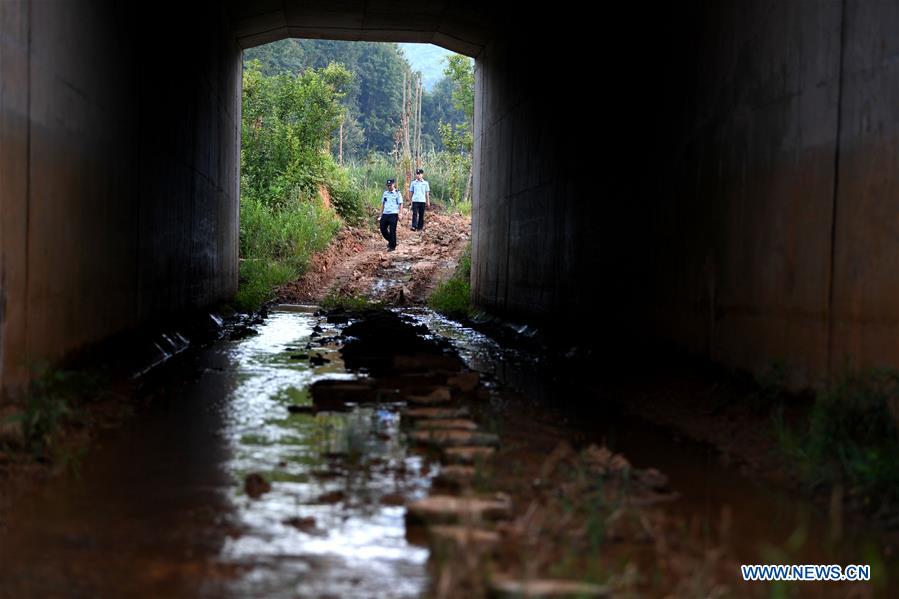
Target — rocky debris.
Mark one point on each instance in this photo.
(515, 587)
(331, 497)
(628, 525)
(466, 537)
(307, 525)
(454, 438)
(255, 485)
(455, 476)
(467, 455)
(435, 413)
(318, 359)
(447, 423)
(439, 395)
(393, 499)
(603, 462)
(464, 381)
(12, 433)
(447, 508)
(426, 362)
(333, 395)
(653, 479)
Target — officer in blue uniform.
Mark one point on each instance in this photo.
(420, 191)
(391, 213)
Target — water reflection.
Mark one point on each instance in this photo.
(328, 471)
(159, 508)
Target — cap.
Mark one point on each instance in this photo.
(389, 181)
(419, 171)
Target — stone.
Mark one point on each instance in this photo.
(438, 396)
(447, 423)
(335, 394)
(393, 499)
(306, 525)
(467, 455)
(425, 362)
(255, 485)
(455, 476)
(453, 438)
(466, 537)
(464, 381)
(515, 587)
(436, 413)
(447, 508)
(331, 497)
(653, 479)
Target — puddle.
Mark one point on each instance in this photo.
(766, 524)
(160, 509)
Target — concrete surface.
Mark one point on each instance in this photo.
(717, 176)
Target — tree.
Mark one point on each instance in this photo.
(457, 139)
(286, 127)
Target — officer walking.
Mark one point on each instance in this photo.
(391, 212)
(420, 191)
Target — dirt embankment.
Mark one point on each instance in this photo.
(357, 263)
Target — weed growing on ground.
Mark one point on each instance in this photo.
(452, 298)
(276, 243)
(350, 303)
(852, 439)
(770, 387)
(48, 403)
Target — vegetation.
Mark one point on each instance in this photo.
(50, 401)
(373, 100)
(851, 440)
(452, 298)
(350, 303)
(301, 95)
(287, 174)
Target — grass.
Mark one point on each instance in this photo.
(452, 298)
(276, 244)
(371, 174)
(49, 403)
(851, 439)
(350, 303)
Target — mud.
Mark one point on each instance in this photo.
(358, 264)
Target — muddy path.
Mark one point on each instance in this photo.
(358, 264)
(398, 454)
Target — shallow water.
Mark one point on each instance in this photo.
(160, 509)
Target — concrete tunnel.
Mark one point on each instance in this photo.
(721, 178)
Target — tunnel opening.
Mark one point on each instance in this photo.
(731, 134)
(325, 125)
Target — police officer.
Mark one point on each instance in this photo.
(420, 191)
(391, 212)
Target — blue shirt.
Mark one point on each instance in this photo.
(419, 190)
(392, 200)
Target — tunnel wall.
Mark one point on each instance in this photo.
(563, 130)
(776, 224)
(118, 172)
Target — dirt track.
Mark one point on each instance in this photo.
(357, 263)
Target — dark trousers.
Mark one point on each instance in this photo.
(418, 215)
(388, 228)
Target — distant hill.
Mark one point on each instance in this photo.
(427, 58)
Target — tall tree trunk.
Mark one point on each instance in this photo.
(340, 145)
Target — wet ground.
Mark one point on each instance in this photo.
(240, 476)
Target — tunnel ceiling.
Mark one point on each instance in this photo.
(458, 26)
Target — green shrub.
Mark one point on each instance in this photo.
(277, 243)
(852, 438)
(452, 298)
(352, 303)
